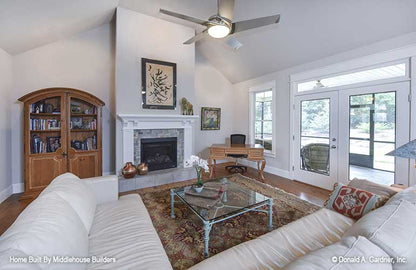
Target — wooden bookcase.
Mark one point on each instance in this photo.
(62, 133)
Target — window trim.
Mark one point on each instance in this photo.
(269, 86)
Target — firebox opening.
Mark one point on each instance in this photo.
(159, 153)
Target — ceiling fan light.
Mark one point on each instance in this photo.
(219, 31)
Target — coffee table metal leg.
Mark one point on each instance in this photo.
(172, 203)
(207, 230)
(270, 214)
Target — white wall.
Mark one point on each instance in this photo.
(212, 89)
(6, 83)
(137, 36)
(281, 163)
(84, 61)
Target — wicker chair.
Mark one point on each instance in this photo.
(315, 157)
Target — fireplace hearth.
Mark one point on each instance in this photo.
(159, 153)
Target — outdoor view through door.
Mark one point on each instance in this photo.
(372, 135)
(315, 135)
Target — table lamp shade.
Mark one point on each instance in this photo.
(407, 150)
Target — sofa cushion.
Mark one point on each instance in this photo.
(409, 194)
(77, 194)
(353, 202)
(48, 226)
(359, 250)
(391, 227)
(381, 190)
(123, 230)
(277, 248)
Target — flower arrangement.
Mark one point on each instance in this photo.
(199, 164)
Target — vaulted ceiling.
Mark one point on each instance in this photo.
(308, 30)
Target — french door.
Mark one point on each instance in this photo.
(316, 133)
(346, 134)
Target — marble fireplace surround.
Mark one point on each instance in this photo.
(134, 122)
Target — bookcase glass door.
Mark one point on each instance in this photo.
(45, 126)
(82, 125)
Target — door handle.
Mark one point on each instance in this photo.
(333, 146)
(64, 154)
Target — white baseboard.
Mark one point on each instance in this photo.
(108, 173)
(5, 193)
(268, 169)
(18, 188)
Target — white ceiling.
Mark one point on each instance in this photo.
(308, 29)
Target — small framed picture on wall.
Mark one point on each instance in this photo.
(210, 118)
(158, 84)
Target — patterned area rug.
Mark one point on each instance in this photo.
(183, 236)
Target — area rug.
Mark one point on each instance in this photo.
(182, 237)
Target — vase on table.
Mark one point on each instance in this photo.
(199, 164)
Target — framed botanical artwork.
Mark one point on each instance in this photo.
(210, 118)
(158, 84)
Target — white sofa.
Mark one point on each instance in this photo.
(74, 219)
(311, 242)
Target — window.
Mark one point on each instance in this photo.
(262, 116)
(396, 70)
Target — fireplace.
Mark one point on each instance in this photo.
(159, 153)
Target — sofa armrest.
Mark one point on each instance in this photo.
(104, 187)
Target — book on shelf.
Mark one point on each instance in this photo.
(37, 145)
(45, 124)
(89, 143)
(79, 123)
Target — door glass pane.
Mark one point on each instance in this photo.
(384, 117)
(314, 153)
(315, 118)
(372, 135)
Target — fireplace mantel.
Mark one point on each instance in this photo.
(131, 122)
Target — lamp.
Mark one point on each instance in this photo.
(407, 150)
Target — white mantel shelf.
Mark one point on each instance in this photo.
(131, 122)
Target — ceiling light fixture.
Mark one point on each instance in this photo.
(219, 28)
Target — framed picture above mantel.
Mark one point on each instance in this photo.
(158, 84)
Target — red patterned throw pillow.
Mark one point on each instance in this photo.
(352, 202)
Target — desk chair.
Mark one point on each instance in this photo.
(237, 139)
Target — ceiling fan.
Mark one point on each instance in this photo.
(221, 25)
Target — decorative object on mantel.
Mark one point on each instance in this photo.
(187, 107)
(129, 171)
(199, 164)
(210, 118)
(142, 169)
(158, 84)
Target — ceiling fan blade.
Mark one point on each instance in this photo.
(255, 23)
(196, 37)
(226, 9)
(183, 17)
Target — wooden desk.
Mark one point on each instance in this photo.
(254, 152)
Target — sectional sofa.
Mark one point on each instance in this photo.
(75, 219)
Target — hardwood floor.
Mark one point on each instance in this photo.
(12, 207)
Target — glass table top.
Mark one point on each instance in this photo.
(219, 198)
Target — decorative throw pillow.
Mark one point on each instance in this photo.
(352, 202)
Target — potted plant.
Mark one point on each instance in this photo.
(199, 164)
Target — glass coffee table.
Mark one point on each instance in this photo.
(220, 199)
